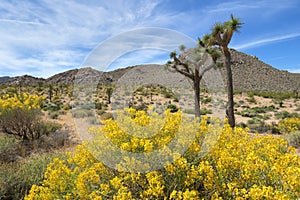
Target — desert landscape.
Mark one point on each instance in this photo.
(261, 111)
(125, 100)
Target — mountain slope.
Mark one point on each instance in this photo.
(4, 79)
(249, 73)
(24, 80)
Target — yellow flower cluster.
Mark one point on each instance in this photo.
(228, 165)
(288, 125)
(135, 131)
(20, 101)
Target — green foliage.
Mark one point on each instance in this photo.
(88, 106)
(50, 106)
(82, 113)
(98, 105)
(261, 127)
(189, 111)
(48, 127)
(273, 95)
(205, 111)
(92, 120)
(106, 116)
(255, 111)
(252, 100)
(294, 139)
(173, 108)
(251, 121)
(17, 178)
(285, 114)
(6, 141)
(67, 107)
(206, 100)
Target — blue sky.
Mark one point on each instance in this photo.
(45, 37)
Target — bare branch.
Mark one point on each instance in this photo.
(191, 76)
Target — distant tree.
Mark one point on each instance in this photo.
(50, 92)
(220, 37)
(56, 91)
(193, 63)
(109, 91)
(40, 85)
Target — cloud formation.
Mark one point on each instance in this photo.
(45, 37)
(265, 41)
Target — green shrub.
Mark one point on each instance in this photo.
(92, 120)
(206, 100)
(98, 105)
(261, 127)
(205, 112)
(293, 139)
(82, 113)
(22, 123)
(51, 107)
(106, 116)
(89, 106)
(67, 107)
(273, 95)
(282, 115)
(173, 108)
(6, 141)
(100, 112)
(16, 179)
(189, 111)
(242, 125)
(252, 100)
(251, 121)
(48, 127)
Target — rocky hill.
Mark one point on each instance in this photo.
(24, 80)
(249, 73)
(86, 75)
(4, 79)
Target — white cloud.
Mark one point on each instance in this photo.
(136, 40)
(144, 56)
(294, 71)
(265, 41)
(50, 35)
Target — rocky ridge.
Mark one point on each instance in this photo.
(4, 79)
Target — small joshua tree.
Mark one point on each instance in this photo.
(109, 91)
(193, 63)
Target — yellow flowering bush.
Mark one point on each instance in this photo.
(220, 163)
(19, 115)
(288, 125)
(20, 101)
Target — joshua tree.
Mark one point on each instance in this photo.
(193, 63)
(109, 91)
(50, 92)
(220, 37)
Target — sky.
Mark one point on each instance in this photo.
(45, 37)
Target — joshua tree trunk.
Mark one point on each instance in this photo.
(230, 104)
(197, 94)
